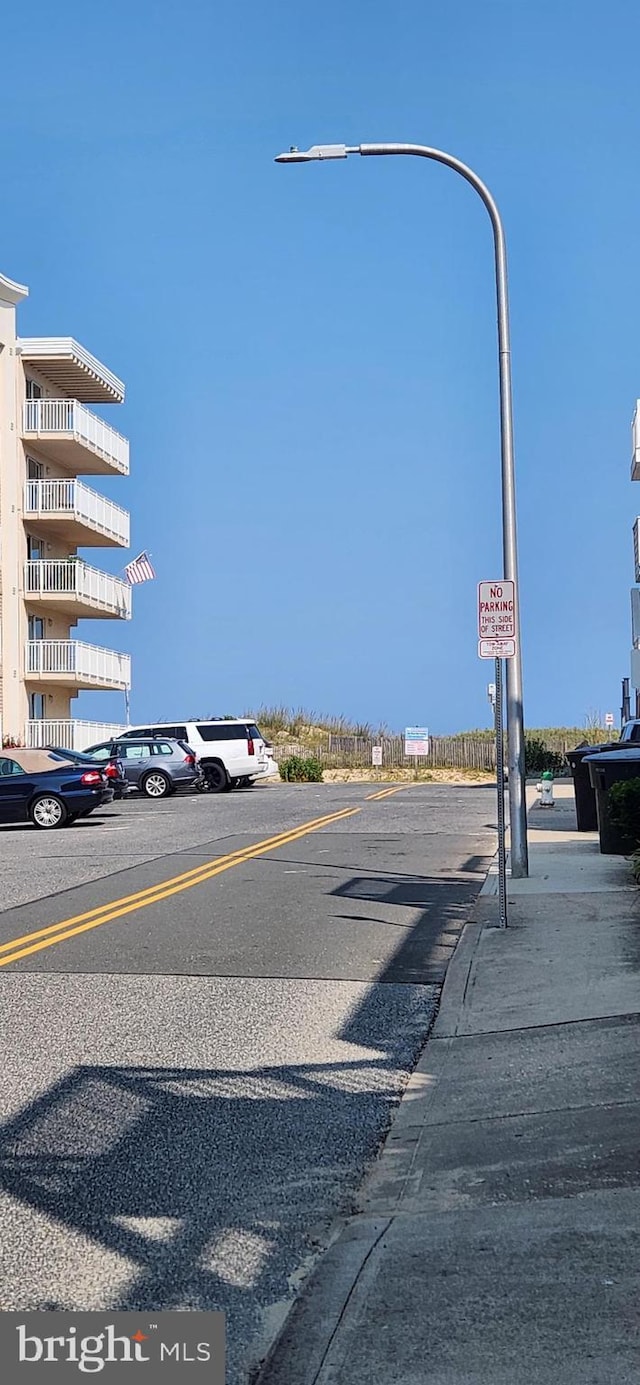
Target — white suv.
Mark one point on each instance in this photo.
(231, 754)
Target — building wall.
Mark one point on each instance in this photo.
(13, 701)
(15, 528)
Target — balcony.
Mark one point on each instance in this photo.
(70, 735)
(77, 514)
(70, 663)
(69, 585)
(76, 439)
(635, 444)
(70, 367)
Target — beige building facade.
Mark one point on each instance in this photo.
(52, 445)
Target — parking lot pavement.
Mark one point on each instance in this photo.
(193, 1090)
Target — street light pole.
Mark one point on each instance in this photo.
(515, 711)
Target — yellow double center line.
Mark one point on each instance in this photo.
(118, 908)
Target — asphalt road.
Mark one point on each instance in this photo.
(204, 1039)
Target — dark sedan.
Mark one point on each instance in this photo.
(35, 787)
(113, 769)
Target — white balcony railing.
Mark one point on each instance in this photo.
(67, 418)
(68, 577)
(86, 663)
(74, 500)
(70, 735)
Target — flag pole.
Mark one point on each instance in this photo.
(140, 569)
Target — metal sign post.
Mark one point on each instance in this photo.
(502, 853)
(416, 743)
(497, 639)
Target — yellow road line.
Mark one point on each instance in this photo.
(153, 894)
(385, 793)
(232, 857)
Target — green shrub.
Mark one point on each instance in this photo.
(624, 810)
(539, 758)
(301, 771)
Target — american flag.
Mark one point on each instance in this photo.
(140, 570)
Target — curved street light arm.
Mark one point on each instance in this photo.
(515, 710)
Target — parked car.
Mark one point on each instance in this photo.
(157, 766)
(113, 769)
(36, 787)
(231, 753)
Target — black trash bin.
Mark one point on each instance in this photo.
(605, 770)
(586, 812)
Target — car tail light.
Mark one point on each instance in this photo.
(189, 759)
(92, 776)
(111, 771)
(252, 749)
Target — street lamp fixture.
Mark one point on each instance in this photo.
(515, 713)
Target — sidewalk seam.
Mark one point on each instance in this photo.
(527, 1028)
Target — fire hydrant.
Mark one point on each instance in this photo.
(545, 789)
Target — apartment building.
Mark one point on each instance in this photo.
(49, 439)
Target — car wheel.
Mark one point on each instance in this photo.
(217, 779)
(46, 812)
(156, 785)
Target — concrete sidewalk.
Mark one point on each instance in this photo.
(496, 1241)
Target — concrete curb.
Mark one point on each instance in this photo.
(390, 1178)
(301, 1348)
(459, 976)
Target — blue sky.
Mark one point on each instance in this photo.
(310, 352)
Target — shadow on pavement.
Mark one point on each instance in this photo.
(213, 1185)
(421, 958)
(208, 1182)
(560, 818)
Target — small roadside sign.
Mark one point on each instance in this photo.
(376, 755)
(609, 719)
(496, 649)
(416, 740)
(496, 611)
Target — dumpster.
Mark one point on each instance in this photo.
(586, 813)
(605, 770)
